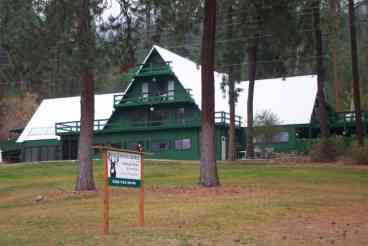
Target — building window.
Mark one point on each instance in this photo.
(158, 117)
(145, 91)
(171, 90)
(180, 115)
(162, 89)
(281, 137)
(159, 146)
(138, 119)
(183, 144)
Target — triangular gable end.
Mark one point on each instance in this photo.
(163, 65)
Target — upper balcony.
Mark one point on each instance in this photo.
(154, 70)
(172, 96)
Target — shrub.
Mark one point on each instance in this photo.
(359, 154)
(324, 151)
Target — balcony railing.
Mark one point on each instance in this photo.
(171, 96)
(221, 118)
(153, 71)
(224, 118)
(74, 126)
(99, 125)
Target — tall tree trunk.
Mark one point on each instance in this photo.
(126, 6)
(335, 12)
(231, 84)
(131, 51)
(86, 36)
(147, 41)
(323, 118)
(356, 87)
(232, 98)
(208, 166)
(252, 71)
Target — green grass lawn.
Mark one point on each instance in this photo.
(251, 200)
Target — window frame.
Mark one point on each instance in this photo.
(182, 144)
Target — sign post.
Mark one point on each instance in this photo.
(106, 197)
(121, 168)
(141, 194)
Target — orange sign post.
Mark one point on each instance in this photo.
(122, 168)
(106, 195)
(141, 193)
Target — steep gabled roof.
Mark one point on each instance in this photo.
(189, 75)
(291, 99)
(51, 111)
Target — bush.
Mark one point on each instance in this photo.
(324, 151)
(359, 154)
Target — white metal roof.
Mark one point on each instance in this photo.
(42, 124)
(291, 99)
(189, 74)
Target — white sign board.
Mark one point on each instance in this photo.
(124, 169)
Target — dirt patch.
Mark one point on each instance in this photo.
(199, 191)
(290, 158)
(61, 194)
(221, 192)
(343, 226)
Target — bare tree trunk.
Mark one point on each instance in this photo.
(323, 118)
(125, 6)
(252, 71)
(232, 140)
(356, 87)
(231, 83)
(335, 12)
(85, 180)
(208, 166)
(147, 42)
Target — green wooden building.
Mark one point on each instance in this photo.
(161, 111)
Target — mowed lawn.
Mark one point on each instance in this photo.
(255, 205)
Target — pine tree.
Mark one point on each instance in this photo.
(356, 88)
(86, 42)
(322, 110)
(208, 166)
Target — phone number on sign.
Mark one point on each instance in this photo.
(123, 182)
